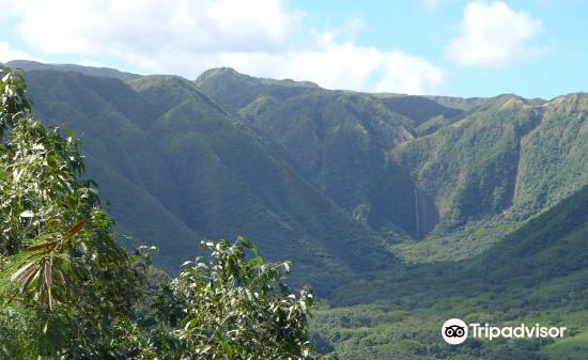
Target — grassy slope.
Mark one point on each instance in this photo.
(341, 141)
(29, 65)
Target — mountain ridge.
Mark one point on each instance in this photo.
(500, 123)
(394, 166)
(30, 65)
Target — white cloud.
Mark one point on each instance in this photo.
(7, 53)
(92, 63)
(495, 36)
(345, 66)
(141, 27)
(186, 37)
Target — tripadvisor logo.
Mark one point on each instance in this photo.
(455, 331)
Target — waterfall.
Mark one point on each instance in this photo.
(416, 213)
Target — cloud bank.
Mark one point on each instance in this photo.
(258, 37)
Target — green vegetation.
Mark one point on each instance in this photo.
(338, 140)
(458, 173)
(537, 274)
(69, 292)
(483, 199)
(66, 285)
(324, 175)
(176, 167)
(473, 161)
(30, 65)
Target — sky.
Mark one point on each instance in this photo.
(436, 47)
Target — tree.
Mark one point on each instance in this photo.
(65, 282)
(233, 308)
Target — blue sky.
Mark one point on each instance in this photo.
(446, 47)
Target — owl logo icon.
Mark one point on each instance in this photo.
(454, 331)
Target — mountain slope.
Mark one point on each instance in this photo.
(542, 253)
(238, 90)
(554, 156)
(341, 141)
(442, 178)
(537, 274)
(503, 162)
(459, 173)
(158, 143)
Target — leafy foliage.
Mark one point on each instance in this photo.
(60, 262)
(236, 308)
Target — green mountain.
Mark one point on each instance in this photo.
(484, 200)
(474, 181)
(238, 90)
(547, 249)
(500, 164)
(426, 178)
(341, 141)
(459, 173)
(178, 168)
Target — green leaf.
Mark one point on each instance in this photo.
(227, 348)
(248, 244)
(21, 270)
